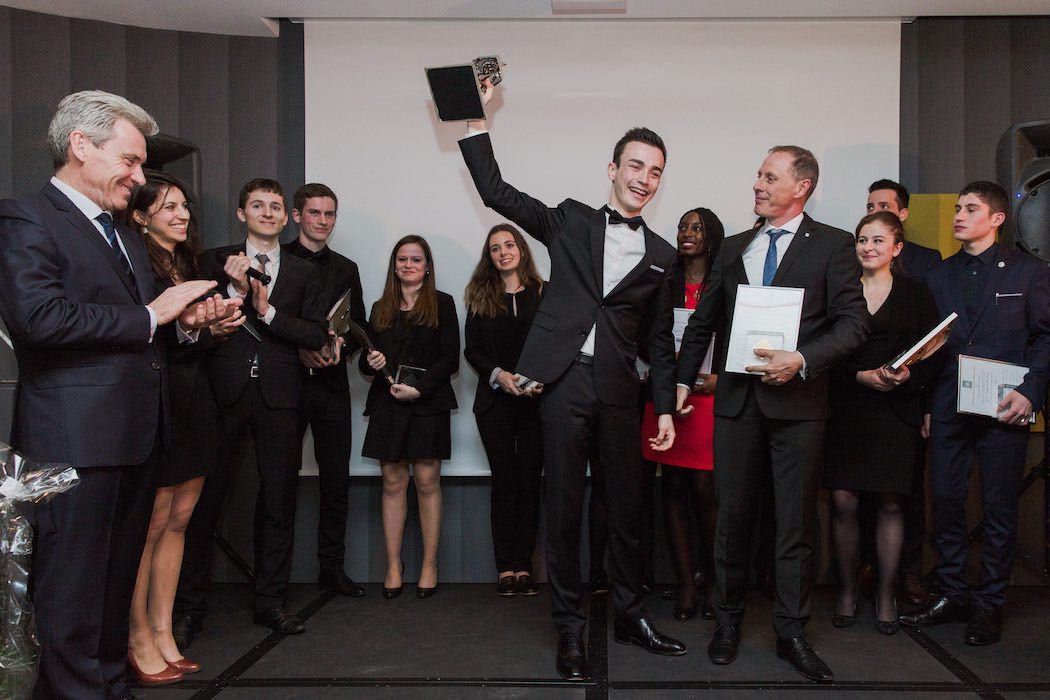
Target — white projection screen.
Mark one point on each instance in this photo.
(719, 93)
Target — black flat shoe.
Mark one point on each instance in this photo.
(937, 612)
(641, 633)
(723, 646)
(507, 586)
(526, 586)
(280, 620)
(572, 660)
(338, 582)
(422, 593)
(986, 627)
(800, 654)
(891, 627)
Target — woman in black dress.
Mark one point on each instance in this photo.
(409, 407)
(160, 210)
(501, 298)
(876, 417)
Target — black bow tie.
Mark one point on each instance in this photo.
(615, 218)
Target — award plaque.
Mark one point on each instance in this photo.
(457, 90)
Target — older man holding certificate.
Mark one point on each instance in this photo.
(772, 417)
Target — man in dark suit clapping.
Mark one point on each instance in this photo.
(775, 420)
(78, 297)
(608, 272)
(256, 377)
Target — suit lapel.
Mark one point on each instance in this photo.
(738, 266)
(140, 262)
(798, 245)
(955, 290)
(77, 220)
(598, 249)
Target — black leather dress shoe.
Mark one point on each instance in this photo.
(280, 620)
(937, 612)
(339, 582)
(985, 627)
(507, 586)
(801, 655)
(184, 628)
(572, 660)
(641, 633)
(526, 586)
(723, 646)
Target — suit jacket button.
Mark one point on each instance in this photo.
(970, 343)
(154, 364)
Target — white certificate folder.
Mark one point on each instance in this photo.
(984, 383)
(764, 317)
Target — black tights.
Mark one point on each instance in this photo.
(678, 486)
(889, 534)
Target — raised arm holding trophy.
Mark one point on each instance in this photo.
(609, 272)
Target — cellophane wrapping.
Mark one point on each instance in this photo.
(22, 482)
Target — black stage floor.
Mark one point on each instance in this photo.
(465, 642)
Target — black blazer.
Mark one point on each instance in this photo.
(574, 234)
(918, 260)
(1012, 323)
(299, 322)
(91, 384)
(821, 260)
(434, 349)
(338, 273)
(485, 351)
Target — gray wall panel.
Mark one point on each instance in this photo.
(941, 149)
(6, 62)
(1030, 78)
(96, 56)
(986, 96)
(152, 70)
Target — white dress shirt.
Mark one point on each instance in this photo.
(755, 253)
(92, 210)
(272, 268)
(624, 249)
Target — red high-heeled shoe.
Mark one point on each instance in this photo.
(185, 666)
(166, 677)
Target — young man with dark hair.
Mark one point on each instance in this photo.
(256, 377)
(1002, 297)
(773, 422)
(887, 195)
(324, 405)
(609, 274)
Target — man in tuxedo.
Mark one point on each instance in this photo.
(256, 377)
(78, 297)
(1002, 297)
(887, 195)
(774, 419)
(917, 261)
(324, 405)
(608, 272)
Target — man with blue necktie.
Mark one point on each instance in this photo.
(774, 421)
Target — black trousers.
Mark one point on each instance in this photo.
(278, 456)
(747, 448)
(573, 419)
(327, 414)
(86, 551)
(510, 431)
(1000, 452)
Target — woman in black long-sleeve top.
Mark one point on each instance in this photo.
(502, 298)
(875, 418)
(417, 342)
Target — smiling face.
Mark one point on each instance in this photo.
(167, 219)
(877, 247)
(779, 197)
(317, 219)
(410, 264)
(637, 177)
(504, 251)
(265, 216)
(975, 224)
(691, 238)
(107, 174)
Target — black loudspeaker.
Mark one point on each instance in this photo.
(1023, 167)
(180, 158)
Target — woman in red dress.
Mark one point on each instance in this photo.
(687, 467)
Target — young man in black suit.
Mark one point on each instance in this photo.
(917, 261)
(256, 377)
(324, 405)
(608, 272)
(1002, 297)
(78, 297)
(775, 421)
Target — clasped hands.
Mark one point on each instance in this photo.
(327, 356)
(402, 392)
(883, 378)
(177, 302)
(236, 268)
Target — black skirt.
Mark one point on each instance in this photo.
(396, 433)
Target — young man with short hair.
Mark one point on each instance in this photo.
(887, 195)
(1002, 297)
